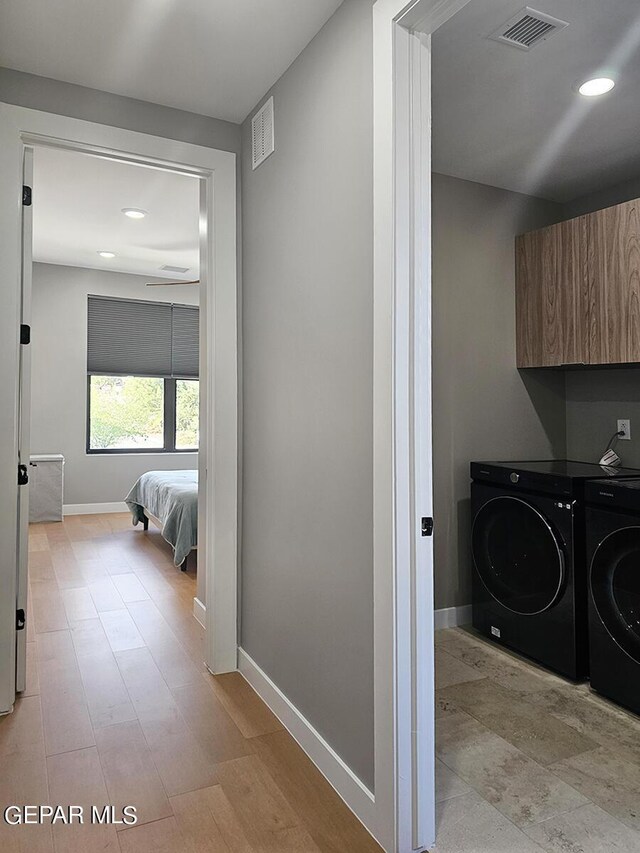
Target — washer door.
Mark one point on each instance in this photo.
(615, 587)
(517, 555)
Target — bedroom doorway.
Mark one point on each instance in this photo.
(169, 409)
(114, 309)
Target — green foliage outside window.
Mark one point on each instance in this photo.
(187, 413)
(126, 412)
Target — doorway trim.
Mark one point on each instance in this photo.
(218, 457)
(403, 488)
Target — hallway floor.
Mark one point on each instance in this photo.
(527, 761)
(120, 710)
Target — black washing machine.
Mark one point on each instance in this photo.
(613, 554)
(529, 569)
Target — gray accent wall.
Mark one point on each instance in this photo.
(307, 530)
(59, 380)
(483, 407)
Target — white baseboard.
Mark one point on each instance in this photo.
(94, 509)
(354, 792)
(451, 617)
(199, 612)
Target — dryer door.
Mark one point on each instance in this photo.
(615, 587)
(517, 555)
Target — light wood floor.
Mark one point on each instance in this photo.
(120, 710)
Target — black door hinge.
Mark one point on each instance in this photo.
(23, 476)
(426, 527)
(25, 334)
(21, 620)
(26, 196)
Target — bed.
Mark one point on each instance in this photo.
(170, 500)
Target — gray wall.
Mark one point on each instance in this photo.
(483, 408)
(307, 583)
(54, 96)
(596, 398)
(59, 380)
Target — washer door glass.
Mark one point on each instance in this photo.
(517, 555)
(615, 587)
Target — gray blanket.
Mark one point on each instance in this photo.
(172, 497)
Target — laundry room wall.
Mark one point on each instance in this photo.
(596, 398)
(483, 407)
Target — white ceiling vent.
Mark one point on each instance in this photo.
(169, 268)
(262, 139)
(527, 28)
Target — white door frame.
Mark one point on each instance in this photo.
(218, 456)
(403, 558)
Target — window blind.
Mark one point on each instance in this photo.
(140, 338)
(185, 337)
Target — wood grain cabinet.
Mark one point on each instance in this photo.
(578, 290)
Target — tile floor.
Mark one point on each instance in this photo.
(527, 761)
(120, 710)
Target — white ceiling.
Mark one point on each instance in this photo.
(214, 57)
(77, 204)
(508, 118)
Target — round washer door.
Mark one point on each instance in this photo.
(615, 587)
(517, 555)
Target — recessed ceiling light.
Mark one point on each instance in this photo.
(134, 212)
(597, 86)
(107, 254)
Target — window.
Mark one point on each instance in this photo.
(187, 412)
(142, 369)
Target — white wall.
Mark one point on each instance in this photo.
(307, 538)
(483, 407)
(59, 379)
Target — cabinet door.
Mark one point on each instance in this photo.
(613, 284)
(549, 295)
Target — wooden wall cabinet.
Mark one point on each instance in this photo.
(578, 290)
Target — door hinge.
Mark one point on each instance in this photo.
(21, 619)
(25, 334)
(26, 196)
(23, 476)
(426, 526)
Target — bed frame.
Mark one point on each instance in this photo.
(145, 523)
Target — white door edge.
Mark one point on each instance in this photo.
(403, 559)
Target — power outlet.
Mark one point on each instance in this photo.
(624, 426)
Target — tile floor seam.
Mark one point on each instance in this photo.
(493, 731)
(564, 811)
(518, 829)
(511, 821)
(524, 754)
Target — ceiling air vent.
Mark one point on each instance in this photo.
(169, 268)
(262, 141)
(527, 28)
